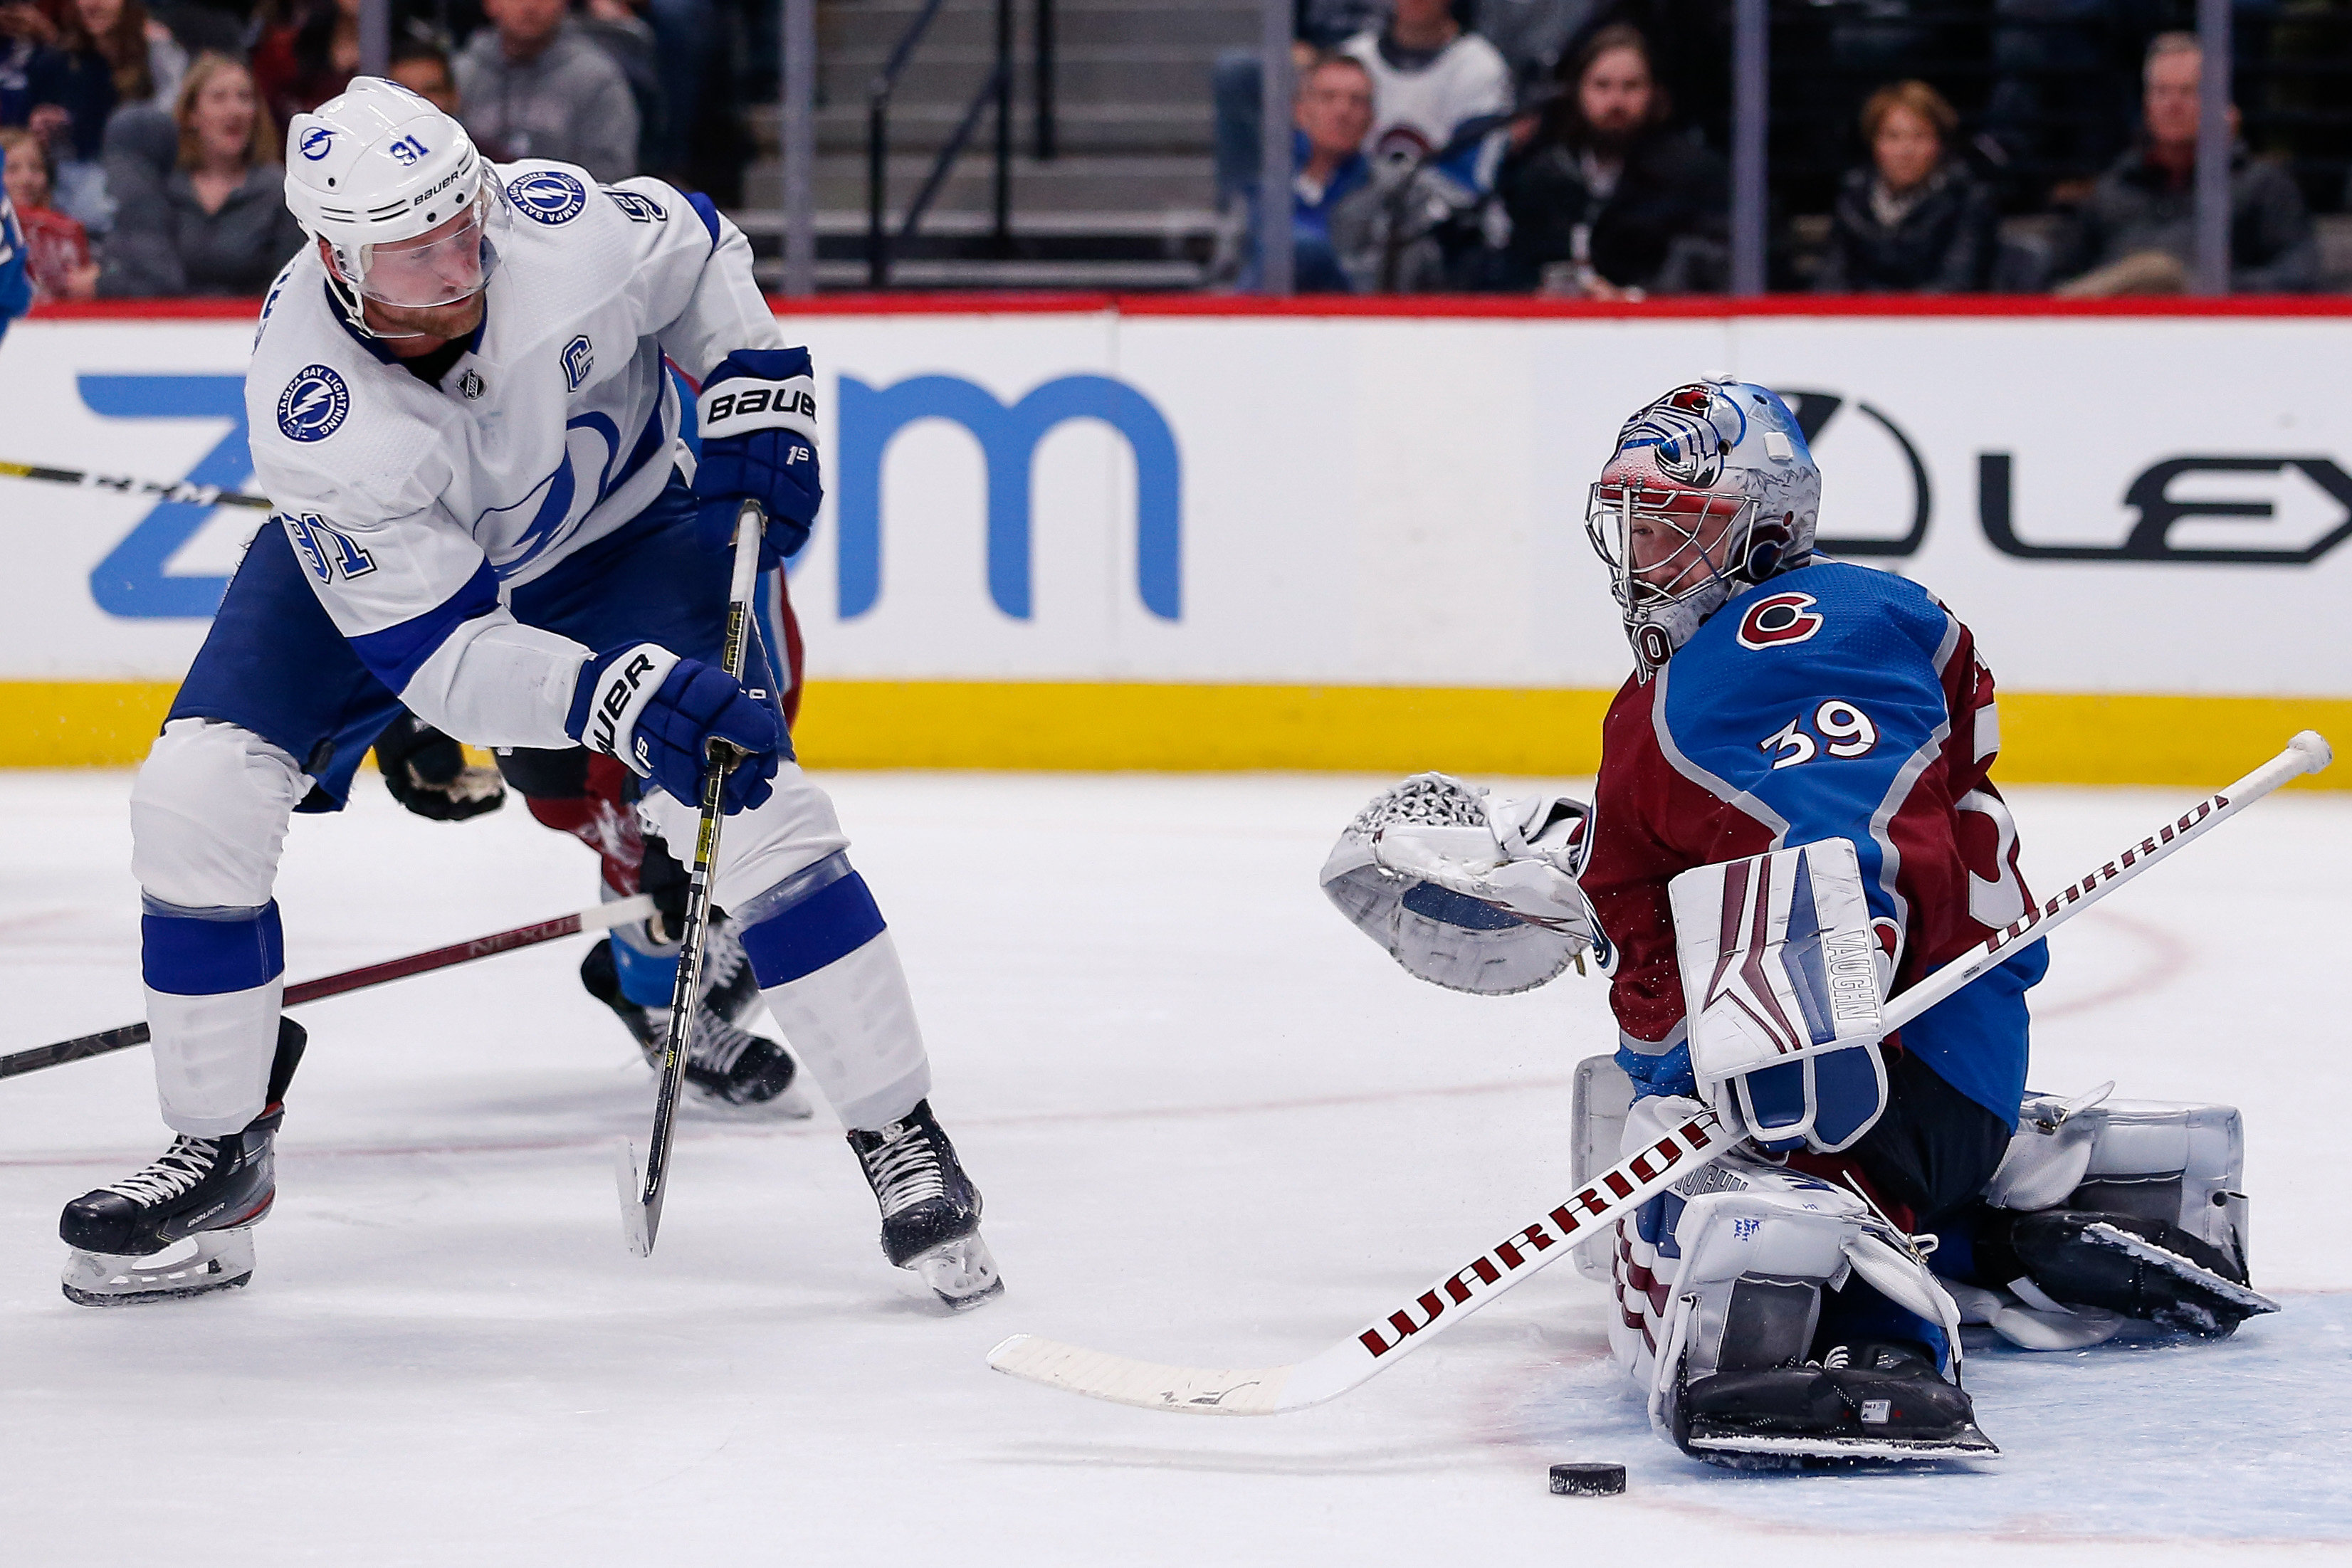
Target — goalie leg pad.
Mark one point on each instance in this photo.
(2119, 1211)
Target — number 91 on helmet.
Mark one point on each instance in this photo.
(409, 212)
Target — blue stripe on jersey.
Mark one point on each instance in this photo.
(708, 214)
(205, 953)
(1877, 650)
(395, 654)
(829, 925)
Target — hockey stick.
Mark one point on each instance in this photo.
(193, 495)
(1609, 1197)
(641, 1205)
(603, 917)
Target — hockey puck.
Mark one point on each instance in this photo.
(1588, 1480)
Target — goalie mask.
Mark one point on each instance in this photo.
(1710, 491)
(409, 211)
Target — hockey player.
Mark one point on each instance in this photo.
(1779, 1306)
(459, 404)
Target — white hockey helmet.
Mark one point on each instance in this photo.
(375, 168)
(1710, 491)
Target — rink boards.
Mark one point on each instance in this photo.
(1087, 533)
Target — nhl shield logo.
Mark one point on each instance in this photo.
(314, 405)
(545, 196)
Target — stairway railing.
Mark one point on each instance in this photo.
(995, 91)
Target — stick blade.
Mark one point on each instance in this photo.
(1148, 1385)
(640, 1215)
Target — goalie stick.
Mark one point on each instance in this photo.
(1592, 1208)
(192, 495)
(603, 917)
(641, 1203)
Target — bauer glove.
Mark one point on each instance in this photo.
(758, 421)
(660, 715)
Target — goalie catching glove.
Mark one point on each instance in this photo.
(1464, 890)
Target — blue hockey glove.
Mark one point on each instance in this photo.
(659, 712)
(758, 419)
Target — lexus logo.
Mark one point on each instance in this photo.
(1868, 452)
(2297, 536)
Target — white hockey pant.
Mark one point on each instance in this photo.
(208, 816)
(825, 960)
(1724, 1273)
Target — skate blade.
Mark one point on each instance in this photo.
(223, 1259)
(962, 1272)
(1970, 1444)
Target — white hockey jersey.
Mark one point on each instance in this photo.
(417, 507)
(1416, 111)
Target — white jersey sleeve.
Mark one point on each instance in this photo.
(696, 285)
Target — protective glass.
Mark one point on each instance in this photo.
(1662, 543)
(452, 262)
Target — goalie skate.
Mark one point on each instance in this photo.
(930, 1210)
(1867, 1402)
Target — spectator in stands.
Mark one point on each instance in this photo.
(56, 249)
(109, 54)
(222, 226)
(1237, 84)
(1430, 81)
(307, 56)
(2137, 233)
(530, 85)
(1914, 221)
(1333, 114)
(628, 40)
(25, 30)
(425, 71)
(1605, 201)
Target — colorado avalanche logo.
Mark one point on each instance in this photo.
(1778, 619)
(1688, 444)
(314, 405)
(547, 197)
(317, 142)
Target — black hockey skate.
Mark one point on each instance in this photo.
(725, 1063)
(2142, 1268)
(212, 1191)
(930, 1210)
(1864, 1402)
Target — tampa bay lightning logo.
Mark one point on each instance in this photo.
(314, 403)
(547, 197)
(317, 141)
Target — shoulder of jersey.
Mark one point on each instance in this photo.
(320, 419)
(1817, 611)
(550, 198)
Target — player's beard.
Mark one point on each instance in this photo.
(454, 319)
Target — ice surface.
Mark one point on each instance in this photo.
(1214, 1125)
